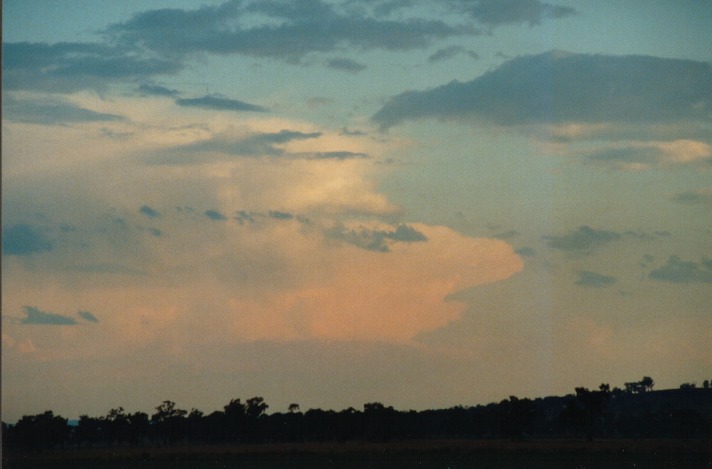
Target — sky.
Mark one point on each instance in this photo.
(422, 203)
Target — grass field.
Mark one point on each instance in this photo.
(476, 454)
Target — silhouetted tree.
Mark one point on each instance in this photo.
(139, 428)
(647, 383)
(168, 422)
(116, 426)
(255, 409)
(378, 421)
(41, 431)
(235, 420)
(88, 431)
(519, 415)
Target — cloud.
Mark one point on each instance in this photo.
(507, 234)
(525, 251)
(448, 53)
(636, 156)
(52, 112)
(155, 232)
(694, 197)
(70, 66)
(88, 316)
(257, 144)
(35, 316)
(359, 293)
(215, 215)
(22, 240)
(375, 240)
(677, 270)
(149, 212)
(502, 12)
(157, 90)
(583, 240)
(338, 155)
(346, 65)
(593, 279)
(292, 30)
(219, 103)
(280, 215)
(559, 87)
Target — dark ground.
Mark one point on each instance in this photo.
(452, 454)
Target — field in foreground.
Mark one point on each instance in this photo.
(452, 454)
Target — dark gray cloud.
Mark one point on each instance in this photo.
(405, 233)
(66, 66)
(346, 65)
(446, 53)
(157, 90)
(338, 155)
(230, 146)
(593, 279)
(219, 103)
(295, 30)
(558, 87)
(525, 251)
(52, 112)
(149, 212)
(639, 157)
(35, 316)
(376, 240)
(583, 240)
(214, 215)
(280, 215)
(88, 316)
(264, 143)
(243, 216)
(677, 270)
(694, 197)
(159, 42)
(22, 240)
(155, 232)
(507, 234)
(500, 12)
(626, 156)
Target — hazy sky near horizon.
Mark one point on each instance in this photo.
(422, 203)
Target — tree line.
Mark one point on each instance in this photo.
(633, 412)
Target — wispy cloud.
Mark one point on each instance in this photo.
(583, 240)
(219, 103)
(22, 240)
(149, 212)
(636, 155)
(500, 12)
(52, 112)
(215, 215)
(450, 52)
(157, 90)
(69, 66)
(593, 279)
(678, 270)
(694, 197)
(35, 316)
(346, 65)
(87, 315)
(376, 240)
